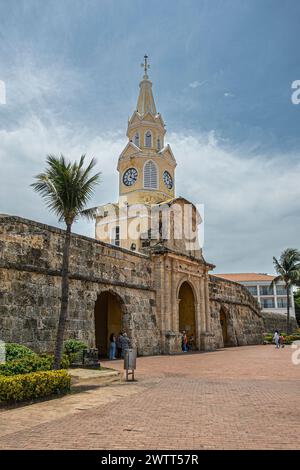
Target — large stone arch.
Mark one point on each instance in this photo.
(110, 316)
(187, 310)
(192, 285)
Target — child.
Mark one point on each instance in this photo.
(281, 341)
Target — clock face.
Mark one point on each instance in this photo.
(168, 179)
(130, 176)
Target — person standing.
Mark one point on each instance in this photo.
(276, 338)
(119, 345)
(112, 347)
(124, 344)
(191, 343)
(184, 341)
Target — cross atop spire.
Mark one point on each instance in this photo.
(145, 66)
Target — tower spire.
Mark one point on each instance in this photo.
(145, 100)
(145, 66)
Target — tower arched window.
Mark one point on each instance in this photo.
(150, 175)
(137, 139)
(148, 139)
(158, 144)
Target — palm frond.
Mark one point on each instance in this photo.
(66, 187)
(288, 267)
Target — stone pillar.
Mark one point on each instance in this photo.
(174, 307)
(202, 306)
(167, 295)
(207, 306)
(198, 324)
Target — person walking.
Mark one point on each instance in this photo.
(276, 338)
(112, 347)
(124, 344)
(119, 346)
(281, 340)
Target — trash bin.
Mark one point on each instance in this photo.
(130, 362)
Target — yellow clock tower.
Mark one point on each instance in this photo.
(146, 166)
(147, 187)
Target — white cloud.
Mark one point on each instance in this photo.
(251, 203)
(22, 155)
(228, 94)
(197, 84)
(2, 92)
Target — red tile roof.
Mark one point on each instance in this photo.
(244, 277)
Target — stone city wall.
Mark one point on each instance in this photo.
(277, 321)
(30, 277)
(241, 311)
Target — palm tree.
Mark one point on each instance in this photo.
(288, 270)
(66, 188)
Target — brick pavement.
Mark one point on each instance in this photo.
(238, 398)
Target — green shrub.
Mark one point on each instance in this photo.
(34, 385)
(72, 346)
(268, 338)
(289, 339)
(31, 364)
(17, 351)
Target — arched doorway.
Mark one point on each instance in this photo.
(108, 319)
(224, 326)
(187, 321)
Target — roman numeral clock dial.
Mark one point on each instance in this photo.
(130, 176)
(168, 179)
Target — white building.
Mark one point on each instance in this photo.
(271, 298)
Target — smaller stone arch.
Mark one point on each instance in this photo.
(223, 318)
(227, 327)
(110, 317)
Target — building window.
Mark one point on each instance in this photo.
(158, 144)
(137, 139)
(150, 175)
(280, 290)
(266, 290)
(282, 302)
(252, 289)
(148, 139)
(267, 303)
(115, 238)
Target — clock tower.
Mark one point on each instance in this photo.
(147, 212)
(146, 166)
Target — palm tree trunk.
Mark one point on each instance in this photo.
(64, 304)
(288, 310)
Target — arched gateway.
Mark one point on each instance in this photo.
(108, 319)
(187, 320)
(224, 326)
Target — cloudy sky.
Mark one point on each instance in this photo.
(222, 72)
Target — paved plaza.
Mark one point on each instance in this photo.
(237, 398)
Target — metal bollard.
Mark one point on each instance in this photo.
(130, 363)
